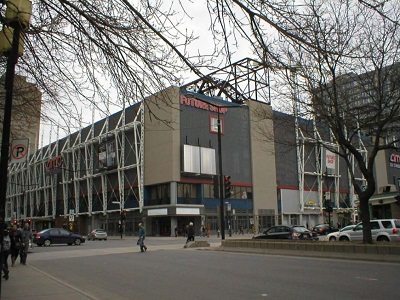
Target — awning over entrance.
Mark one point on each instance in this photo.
(384, 198)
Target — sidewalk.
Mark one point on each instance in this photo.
(27, 282)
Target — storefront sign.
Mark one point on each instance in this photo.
(202, 105)
(394, 161)
(310, 203)
(54, 164)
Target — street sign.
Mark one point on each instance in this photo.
(19, 150)
(71, 218)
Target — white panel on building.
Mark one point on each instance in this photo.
(187, 211)
(208, 164)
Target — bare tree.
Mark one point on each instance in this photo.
(341, 58)
(93, 53)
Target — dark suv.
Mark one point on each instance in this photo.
(323, 229)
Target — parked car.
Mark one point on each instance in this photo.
(334, 236)
(57, 236)
(323, 229)
(294, 232)
(383, 230)
(97, 234)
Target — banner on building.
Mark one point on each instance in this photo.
(330, 162)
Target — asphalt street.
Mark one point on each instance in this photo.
(115, 269)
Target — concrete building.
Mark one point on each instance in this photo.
(26, 111)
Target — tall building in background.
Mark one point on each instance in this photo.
(26, 111)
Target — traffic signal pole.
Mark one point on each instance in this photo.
(221, 181)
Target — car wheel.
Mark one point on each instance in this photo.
(344, 239)
(105, 239)
(332, 239)
(47, 243)
(383, 239)
(77, 242)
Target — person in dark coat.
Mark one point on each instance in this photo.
(26, 236)
(142, 236)
(190, 234)
(15, 237)
(6, 253)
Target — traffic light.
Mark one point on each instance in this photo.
(15, 222)
(29, 221)
(123, 215)
(228, 187)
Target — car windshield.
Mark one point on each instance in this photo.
(347, 228)
(100, 230)
(300, 228)
(44, 230)
(321, 226)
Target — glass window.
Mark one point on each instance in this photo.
(375, 225)
(397, 224)
(214, 124)
(160, 194)
(208, 191)
(387, 224)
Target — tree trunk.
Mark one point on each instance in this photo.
(365, 218)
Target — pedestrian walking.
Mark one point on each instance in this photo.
(176, 231)
(190, 233)
(26, 236)
(203, 231)
(6, 253)
(142, 236)
(218, 232)
(15, 237)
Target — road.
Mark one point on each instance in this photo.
(115, 269)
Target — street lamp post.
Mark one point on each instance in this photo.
(221, 181)
(17, 18)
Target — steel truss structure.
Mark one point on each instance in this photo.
(244, 80)
(311, 161)
(67, 172)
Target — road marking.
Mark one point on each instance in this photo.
(366, 278)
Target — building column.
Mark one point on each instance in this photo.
(174, 222)
(174, 193)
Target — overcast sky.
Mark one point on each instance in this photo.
(196, 20)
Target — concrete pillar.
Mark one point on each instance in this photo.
(174, 222)
(174, 192)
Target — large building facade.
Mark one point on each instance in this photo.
(156, 162)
